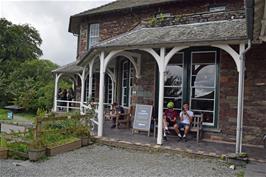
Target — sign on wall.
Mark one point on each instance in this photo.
(142, 118)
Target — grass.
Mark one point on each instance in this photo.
(27, 115)
(3, 114)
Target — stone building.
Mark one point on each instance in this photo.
(208, 52)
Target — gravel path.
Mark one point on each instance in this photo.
(99, 160)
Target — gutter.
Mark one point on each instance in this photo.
(250, 17)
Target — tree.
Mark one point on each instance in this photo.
(20, 42)
(32, 85)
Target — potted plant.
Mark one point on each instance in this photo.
(36, 150)
(84, 134)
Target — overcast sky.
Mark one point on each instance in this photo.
(51, 19)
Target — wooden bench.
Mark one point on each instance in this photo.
(196, 126)
(127, 116)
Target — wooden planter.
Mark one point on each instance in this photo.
(51, 151)
(36, 154)
(3, 153)
(85, 140)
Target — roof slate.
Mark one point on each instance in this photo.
(69, 68)
(188, 33)
(122, 4)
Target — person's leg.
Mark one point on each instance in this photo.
(177, 127)
(165, 124)
(186, 132)
(114, 122)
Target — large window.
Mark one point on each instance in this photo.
(93, 35)
(127, 82)
(203, 85)
(192, 76)
(173, 82)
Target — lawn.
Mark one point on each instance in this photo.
(18, 117)
(3, 114)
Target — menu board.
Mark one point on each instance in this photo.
(142, 118)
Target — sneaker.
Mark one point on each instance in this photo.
(167, 132)
(113, 126)
(179, 135)
(164, 138)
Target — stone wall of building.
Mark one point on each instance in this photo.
(254, 124)
(144, 87)
(118, 23)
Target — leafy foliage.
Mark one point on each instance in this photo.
(32, 85)
(18, 41)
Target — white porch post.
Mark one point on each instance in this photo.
(57, 76)
(90, 81)
(161, 94)
(240, 104)
(82, 89)
(101, 96)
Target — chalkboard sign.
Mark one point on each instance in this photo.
(142, 118)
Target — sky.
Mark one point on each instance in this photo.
(51, 19)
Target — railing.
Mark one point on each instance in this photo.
(65, 105)
(93, 106)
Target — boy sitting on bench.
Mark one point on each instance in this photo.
(185, 121)
(169, 119)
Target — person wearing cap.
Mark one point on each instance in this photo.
(169, 118)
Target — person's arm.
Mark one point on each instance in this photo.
(190, 117)
(181, 116)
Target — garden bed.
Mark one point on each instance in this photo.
(69, 145)
(3, 153)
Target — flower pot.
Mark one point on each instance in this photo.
(3, 153)
(85, 140)
(36, 154)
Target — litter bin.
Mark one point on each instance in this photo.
(10, 115)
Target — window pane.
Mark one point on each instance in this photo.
(202, 105)
(206, 93)
(176, 59)
(203, 57)
(172, 92)
(203, 75)
(207, 116)
(173, 75)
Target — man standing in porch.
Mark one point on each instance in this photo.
(169, 118)
(185, 120)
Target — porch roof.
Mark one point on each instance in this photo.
(197, 33)
(69, 68)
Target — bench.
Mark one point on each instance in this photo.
(127, 116)
(196, 126)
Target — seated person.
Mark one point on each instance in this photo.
(185, 120)
(169, 118)
(116, 109)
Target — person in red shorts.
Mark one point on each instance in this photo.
(169, 119)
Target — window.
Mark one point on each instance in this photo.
(108, 89)
(203, 85)
(127, 82)
(93, 91)
(93, 35)
(193, 75)
(173, 81)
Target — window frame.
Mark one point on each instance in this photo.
(93, 36)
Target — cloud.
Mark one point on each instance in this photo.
(51, 19)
